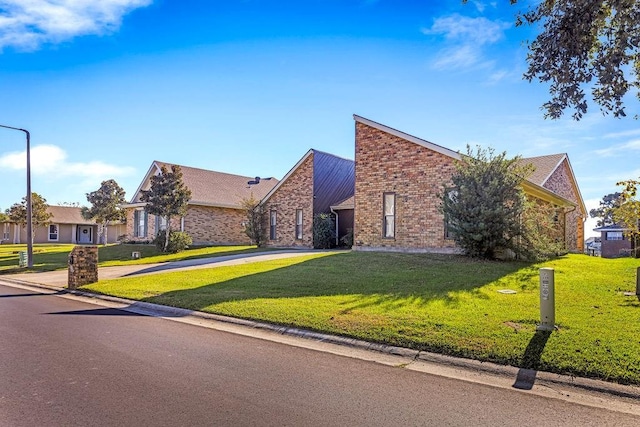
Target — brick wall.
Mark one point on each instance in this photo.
(416, 174)
(613, 248)
(205, 225)
(295, 193)
(213, 225)
(561, 183)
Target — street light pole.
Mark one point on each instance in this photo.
(29, 208)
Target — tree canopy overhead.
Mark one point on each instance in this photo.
(585, 44)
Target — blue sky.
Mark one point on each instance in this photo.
(248, 86)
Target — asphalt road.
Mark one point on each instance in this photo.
(65, 362)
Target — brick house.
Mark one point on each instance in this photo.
(214, 213)
(318, 181)
(613, 242)
(67, 225)
(399, 177)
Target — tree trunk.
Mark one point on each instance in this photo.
(104, 234)
(167, 231)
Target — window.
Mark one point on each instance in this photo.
(272, 225)
(614, 235)
(140, 223)
(5, 232)
(299, 224)
(449, 228)
(161, 223)
(389, 213)
(53, 232)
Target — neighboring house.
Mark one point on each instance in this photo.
(592, 246)
(399, 178)
(613, 242)
(66, 226)
(318, 181)
(214, 214)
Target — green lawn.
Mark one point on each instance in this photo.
(48, 257)
(445, 304)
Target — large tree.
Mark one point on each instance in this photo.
(40, 216)
(167, 197)
(105, 205)
(484, 203)
(604, 212)
(584, 44)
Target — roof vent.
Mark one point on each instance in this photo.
(255, 181)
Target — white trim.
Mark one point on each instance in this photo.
(146, 178)
(430, 145)
(57, 233)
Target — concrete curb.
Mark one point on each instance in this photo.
(524, 379)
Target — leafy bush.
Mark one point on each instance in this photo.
(178, 241)
(324, 231)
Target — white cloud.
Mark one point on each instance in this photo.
(27, 24)
(459, 57)
(51, 160)
(467, 37)
(463, 28)
(619, 149)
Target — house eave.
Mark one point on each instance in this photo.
(546, 195)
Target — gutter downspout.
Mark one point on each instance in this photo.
(336, 214)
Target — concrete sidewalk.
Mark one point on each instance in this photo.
(59, 278)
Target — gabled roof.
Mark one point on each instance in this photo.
(68, 215)
(211, 188)
(544, 166)
(532, 185)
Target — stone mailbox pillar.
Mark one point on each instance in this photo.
(83, 266)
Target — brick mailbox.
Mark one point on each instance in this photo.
(83, 266)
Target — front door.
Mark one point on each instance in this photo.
(85, 234)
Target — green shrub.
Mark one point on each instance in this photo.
(178, 241)
(324, 231)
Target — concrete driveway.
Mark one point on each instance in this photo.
(59, 278)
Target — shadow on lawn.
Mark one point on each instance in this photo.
(373, 279)
(531, 360)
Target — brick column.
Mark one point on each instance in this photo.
(83, 266)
